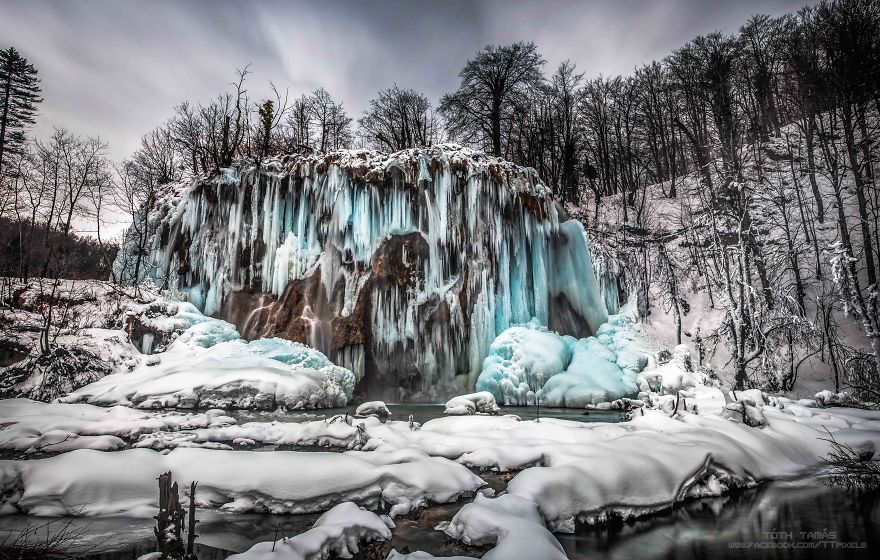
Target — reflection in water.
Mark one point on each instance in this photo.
(710, 528)
(736, 526)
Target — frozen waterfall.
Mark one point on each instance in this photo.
(403, 267)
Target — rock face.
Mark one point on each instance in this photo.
(402, 267)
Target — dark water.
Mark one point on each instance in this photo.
(735, 526)
(423, 412)
(774, 521)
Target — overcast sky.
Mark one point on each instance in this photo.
(117, 68)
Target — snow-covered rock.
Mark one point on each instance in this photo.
(830, 398)
(209, 366)
(671, 377)
(337, 531)
(482, 402)
(509, 522)
(372, 408)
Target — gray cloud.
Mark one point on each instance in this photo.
(117, 68)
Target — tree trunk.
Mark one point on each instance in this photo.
(858, 179)
(4, 117)
(809, 133)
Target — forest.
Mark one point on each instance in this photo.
(741, 168)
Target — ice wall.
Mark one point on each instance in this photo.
(401, 267)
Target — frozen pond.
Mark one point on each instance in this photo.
(708, 528)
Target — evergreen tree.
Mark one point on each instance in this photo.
(267, 117)
(19, 96)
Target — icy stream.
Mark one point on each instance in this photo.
(700, 529)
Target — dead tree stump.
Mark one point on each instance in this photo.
(170, 521)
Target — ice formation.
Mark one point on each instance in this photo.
(403, 267)
(210, 365)
(529, 362)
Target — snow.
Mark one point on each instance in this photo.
(92, 483)
(829, 398)
(713, 442)
(671, 377)
(338, 531)
(511, 523)
(529, 362)
(209, 365)
(372, 408)
(35, 426)
(482, 402)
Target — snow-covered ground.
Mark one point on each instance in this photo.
(708, 443)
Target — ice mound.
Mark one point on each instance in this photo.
(528, 360)
(210, 366)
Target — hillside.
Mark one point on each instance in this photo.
(670, 252)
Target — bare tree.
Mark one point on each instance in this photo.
(332, 124)
(398, 119)
(491, 84)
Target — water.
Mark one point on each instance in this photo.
(705, 529)
(737, 526)
(423, 412)
(710, 528)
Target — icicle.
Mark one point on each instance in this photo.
(492, 253)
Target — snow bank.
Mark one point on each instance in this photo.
(337, 531)
(528, 360)
(209, 365)
(40, 427)
(473, 403)
(91, 483)
(574, 469)
(663, 460)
